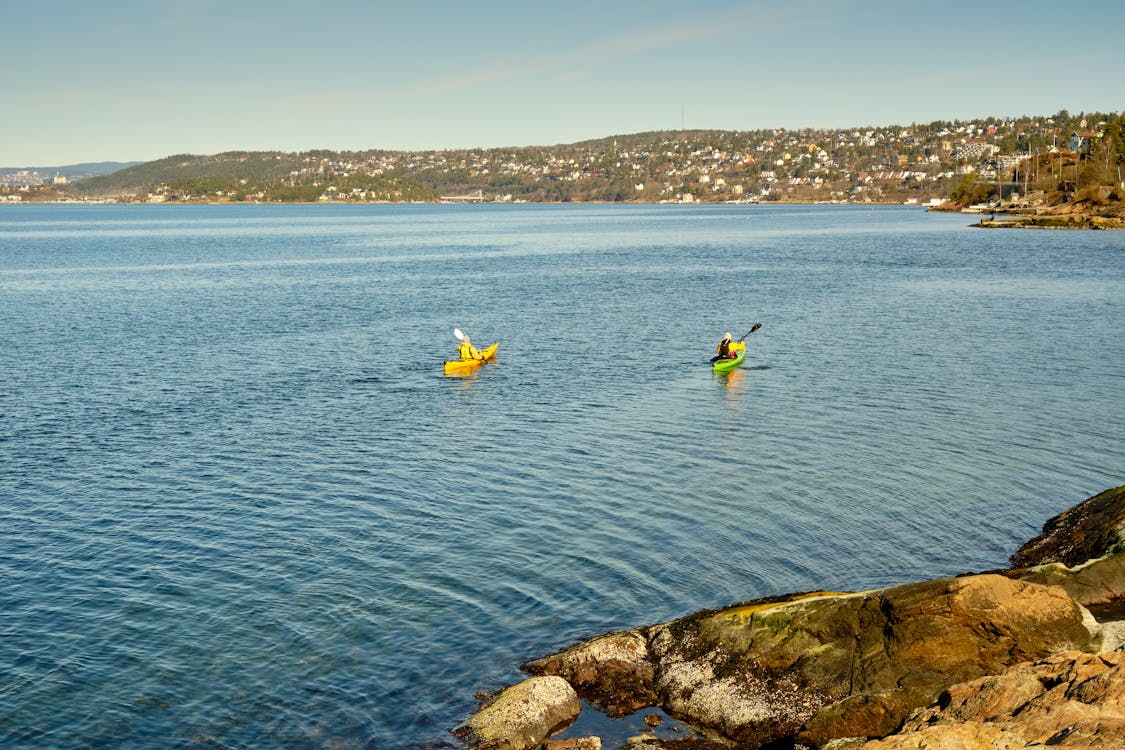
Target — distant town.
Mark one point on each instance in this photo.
(1012, 159)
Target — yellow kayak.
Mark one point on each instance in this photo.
(462, 366)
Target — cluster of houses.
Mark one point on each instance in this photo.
(918, 162)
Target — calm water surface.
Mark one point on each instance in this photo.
(241, 507)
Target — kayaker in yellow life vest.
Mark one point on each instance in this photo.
(467, 350)
(724, 349)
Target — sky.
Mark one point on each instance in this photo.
(137, 80)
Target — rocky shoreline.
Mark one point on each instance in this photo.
(1033, 654)
(1098, 209)
(1052, 221)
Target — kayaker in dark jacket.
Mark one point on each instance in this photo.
(724, 349)
(467, 350)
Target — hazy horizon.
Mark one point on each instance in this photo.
(134, 81)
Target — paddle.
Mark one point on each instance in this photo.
(755, 327)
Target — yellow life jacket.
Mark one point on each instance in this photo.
(468, 351)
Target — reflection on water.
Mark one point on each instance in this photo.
(731, 378)
(733, 383)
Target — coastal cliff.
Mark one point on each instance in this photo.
(1030, 654)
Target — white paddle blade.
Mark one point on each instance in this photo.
(457, 333)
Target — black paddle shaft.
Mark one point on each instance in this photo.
(755, 327)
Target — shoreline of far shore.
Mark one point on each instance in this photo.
(1065, 216)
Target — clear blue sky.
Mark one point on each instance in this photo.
(123, 80)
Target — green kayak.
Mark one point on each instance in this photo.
(726, 365)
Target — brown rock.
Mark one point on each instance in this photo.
(967, 736)
(856, 665)
(577, 743)
(1073, 699)
(845, 743)
(1096, 582)
(651, 742)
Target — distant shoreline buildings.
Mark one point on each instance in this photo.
(29, 178)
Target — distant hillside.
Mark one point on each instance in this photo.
(234, 165)
(75, 171)
(238, 174)
(916, 163)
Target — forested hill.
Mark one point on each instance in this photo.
(872, 163)
(232, 175)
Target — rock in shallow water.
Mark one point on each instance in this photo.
(522, 716)
(614, 671)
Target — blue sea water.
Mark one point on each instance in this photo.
(241, 507)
